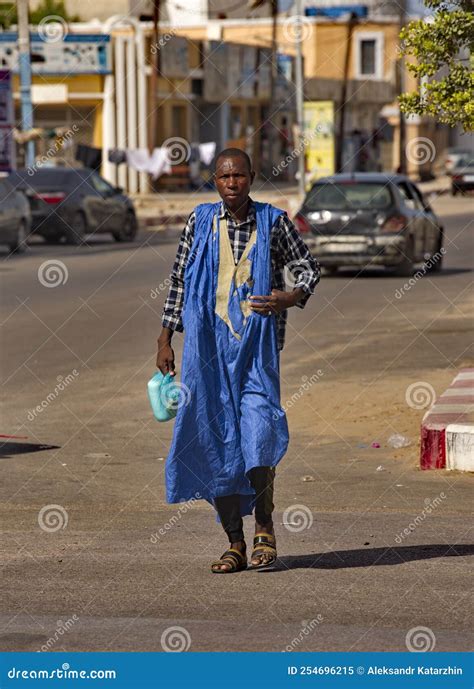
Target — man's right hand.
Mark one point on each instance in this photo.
(165, 357)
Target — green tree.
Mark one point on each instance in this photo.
(443, 49)
(49, 8)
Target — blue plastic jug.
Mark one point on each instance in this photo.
(164, 396)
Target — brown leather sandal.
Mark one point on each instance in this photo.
(236, 560)
(264, 543)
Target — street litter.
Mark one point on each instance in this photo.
(380, 468)
(308, 478)
(398, 440)
(375, 444)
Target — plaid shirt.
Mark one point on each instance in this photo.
(286, 249)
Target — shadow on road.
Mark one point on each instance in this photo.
(370, 557)
(382, 273)
(9, 449)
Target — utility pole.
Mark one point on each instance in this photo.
(155, 73)
(402, 140)
(253, 4)
(25, 78)
(300, 100)
(345, 81)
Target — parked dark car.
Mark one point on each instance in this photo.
(74, 202)
(462, 176)
(370, 219)
(15, 216)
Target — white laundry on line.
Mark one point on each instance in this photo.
(156, 164)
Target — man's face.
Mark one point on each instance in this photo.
(233, 181)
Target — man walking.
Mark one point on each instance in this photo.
(227, 293)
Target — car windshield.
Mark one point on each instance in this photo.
(348, 196)
(466, 162)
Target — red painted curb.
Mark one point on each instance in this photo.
(433, 446)
(451, 408)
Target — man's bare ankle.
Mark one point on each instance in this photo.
(264, 528)
(239, 545)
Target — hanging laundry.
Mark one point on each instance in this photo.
(207, 152)
(138, 159)
(156, 164)
(117, 156)
(160, 162)
(89, 156)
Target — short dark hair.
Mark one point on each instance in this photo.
(235, 153)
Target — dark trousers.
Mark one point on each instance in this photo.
(228, 506)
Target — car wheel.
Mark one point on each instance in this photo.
(19, 245)
(76, 231)
(330, 270)
(454, 191)
(405, 268)
(437, 265)
(128, 231)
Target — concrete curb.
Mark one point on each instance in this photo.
(160, 223)
(447, 429)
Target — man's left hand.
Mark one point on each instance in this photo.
(276, 302)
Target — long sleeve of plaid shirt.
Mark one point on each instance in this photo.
(287, 249)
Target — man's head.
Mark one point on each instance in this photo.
(234, 176)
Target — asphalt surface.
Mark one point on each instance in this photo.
(104, 577)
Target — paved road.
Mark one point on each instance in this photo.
(356, 577)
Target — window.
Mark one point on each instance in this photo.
(101, 185)
(369, 55)
(348, 197)
(408, 196)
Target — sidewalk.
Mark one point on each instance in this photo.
(162, 211)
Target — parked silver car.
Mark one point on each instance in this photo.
(462, 176)
(453, 156)
(15, 216)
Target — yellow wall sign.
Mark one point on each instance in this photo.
(319, 139)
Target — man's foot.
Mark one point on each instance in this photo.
(264, 551)
(233, 560)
